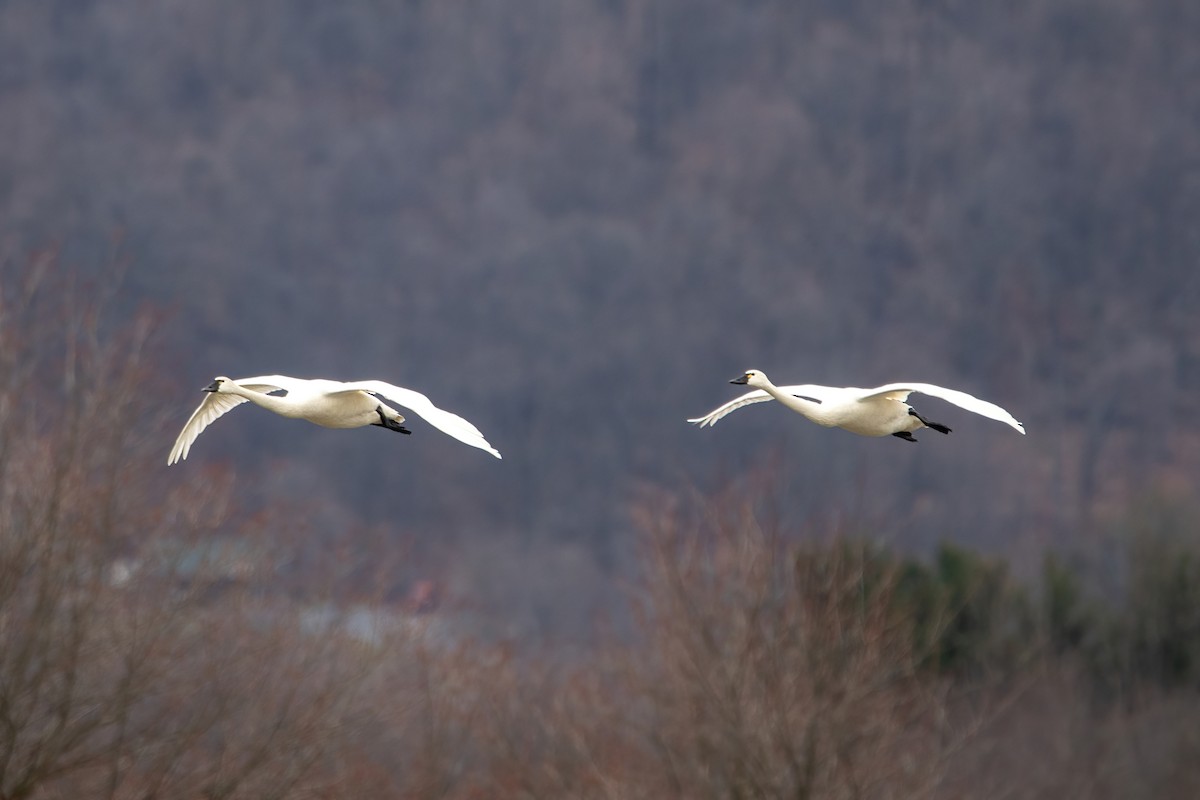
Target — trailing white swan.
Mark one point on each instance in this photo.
(881, 411)
(331, 404)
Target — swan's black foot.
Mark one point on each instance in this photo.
(937, 426)
(905, 435)
(390, 424)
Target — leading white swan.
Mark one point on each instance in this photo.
(881, 411)
(331, 404)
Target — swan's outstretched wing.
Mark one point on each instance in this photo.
(216, 404)
(900, 391)
(446, 422)
(811, 391)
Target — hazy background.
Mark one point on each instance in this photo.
(572, 221)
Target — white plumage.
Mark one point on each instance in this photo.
(881, 411)
(331, 404)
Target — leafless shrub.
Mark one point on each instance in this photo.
(760, 668)
(777, 669)
(136, 661)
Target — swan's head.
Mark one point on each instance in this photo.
(752, 378)
(215, 386)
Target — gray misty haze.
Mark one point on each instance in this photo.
(573, 222)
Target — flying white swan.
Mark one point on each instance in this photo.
(331, 404)
(868, 412)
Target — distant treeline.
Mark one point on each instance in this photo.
(575, 223)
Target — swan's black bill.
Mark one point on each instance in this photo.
(212, 387)
(742, 381)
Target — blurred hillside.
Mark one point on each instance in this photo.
(573, 223)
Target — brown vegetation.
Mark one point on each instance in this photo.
(136, 661)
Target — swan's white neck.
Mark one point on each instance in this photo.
(279, 405)
(813, 411)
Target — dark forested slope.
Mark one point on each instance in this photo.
(574, 221)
